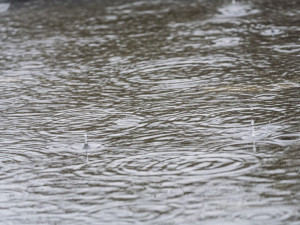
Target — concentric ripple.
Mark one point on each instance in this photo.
(267, 214)
(185, 164)
(191, 110)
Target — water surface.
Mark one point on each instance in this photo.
(192, 110)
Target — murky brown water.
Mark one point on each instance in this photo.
(192, 110)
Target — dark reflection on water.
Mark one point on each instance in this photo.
(191, 107)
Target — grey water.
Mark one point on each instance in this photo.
(192, 110)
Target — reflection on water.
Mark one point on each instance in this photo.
(191, 109)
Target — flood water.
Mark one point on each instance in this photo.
(191, 109)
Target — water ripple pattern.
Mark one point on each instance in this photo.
(191, 110)
(203, 165)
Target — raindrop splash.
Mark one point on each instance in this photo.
(86, 146)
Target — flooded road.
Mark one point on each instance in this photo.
(191, 109)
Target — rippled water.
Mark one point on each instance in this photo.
(192, 110)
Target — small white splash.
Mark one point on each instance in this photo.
(86, 146)
(236, 10)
